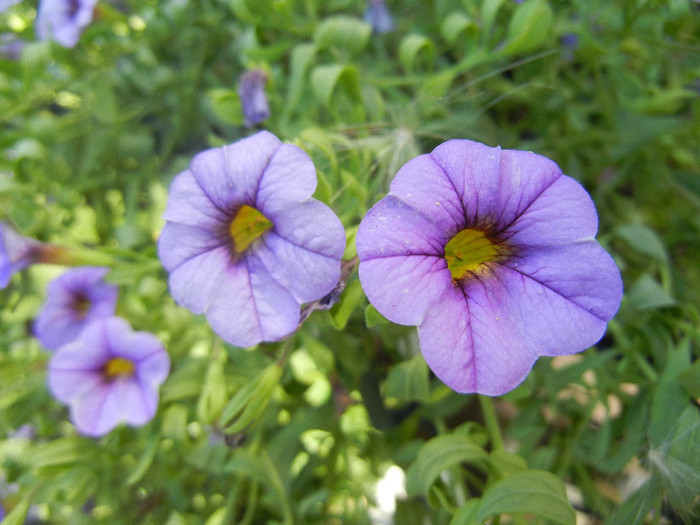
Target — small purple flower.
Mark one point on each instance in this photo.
(64, 20)
(16, 253)
(6, 4)
(244, 241)
(379, 17)
(491, 253)
(73, 301)
(109, 375)
(253, 97)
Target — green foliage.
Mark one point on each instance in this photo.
(302, 431)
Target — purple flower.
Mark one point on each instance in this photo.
(73, 301)
(491, 253)
(64, 20)
(6, 4)
(109, 375)
(16, 253)
(253, 97)
(244, 241)
(378, 16)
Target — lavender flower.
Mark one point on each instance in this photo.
(253, 97)
(109, 375)
(64, 20)
(244, 241)
(491, 253)
(73, 301)
(16, 253)
(378, 16)
(6, 4)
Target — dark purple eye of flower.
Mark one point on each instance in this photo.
(73, 6)
(80, 305)
(118, 367)
(470, 251)
(246, 227)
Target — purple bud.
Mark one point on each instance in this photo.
(253, 97)
(379, 17)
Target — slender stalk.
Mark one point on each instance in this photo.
(491, 421)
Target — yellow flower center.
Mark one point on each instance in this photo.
(118, 367)
(468, 251)
(246, 227)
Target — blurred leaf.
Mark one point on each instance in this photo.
(226, 105)
(373, 317)
(248, 404)
(326, 79)
(60, 452)
(343, 32)
(439, 454)
(644, 240)
(458, 27)
(670, 399)
(529, 28)
(300, 61)
(531, 492)
(350, 299)
(647, 294)
(18, 515)
(690, 379)
(416, 51)
(144, 461)
(489, 9)
(408, 381)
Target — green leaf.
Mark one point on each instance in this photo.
(145, 461)
(408, 381)
(18, 514)
(249, 403)
(350, 299)
(529, 27)
(489, 9)
(531, 492)
(670, 399)
(416, 50)
(466, 515)
(373, 317)
(439, 454)
(343, 32)
(644, 240)
(300, 61)
(690, 379)
(458, 27)
(60, 452)
(226, 105)
(326, 79)
(647, 294)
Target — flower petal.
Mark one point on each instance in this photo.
(496, 186)
(189, 204)
(312, 225)
(424, 185)
(461, 350)
(194, 282)
(70, 385)
(308, 275)
(230, 176)
(393, 228)
(404, 288)
(289, 178)
(179, 243)
(249, 306)
(580, 273)
(563, 213)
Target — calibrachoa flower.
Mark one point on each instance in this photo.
(244, 241)
(16, 253)
(491, 253)
(64, 20)
(378, 16)
(253, 97)
(73, 301)
(109, 375)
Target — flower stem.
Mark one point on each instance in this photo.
(494, 430)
